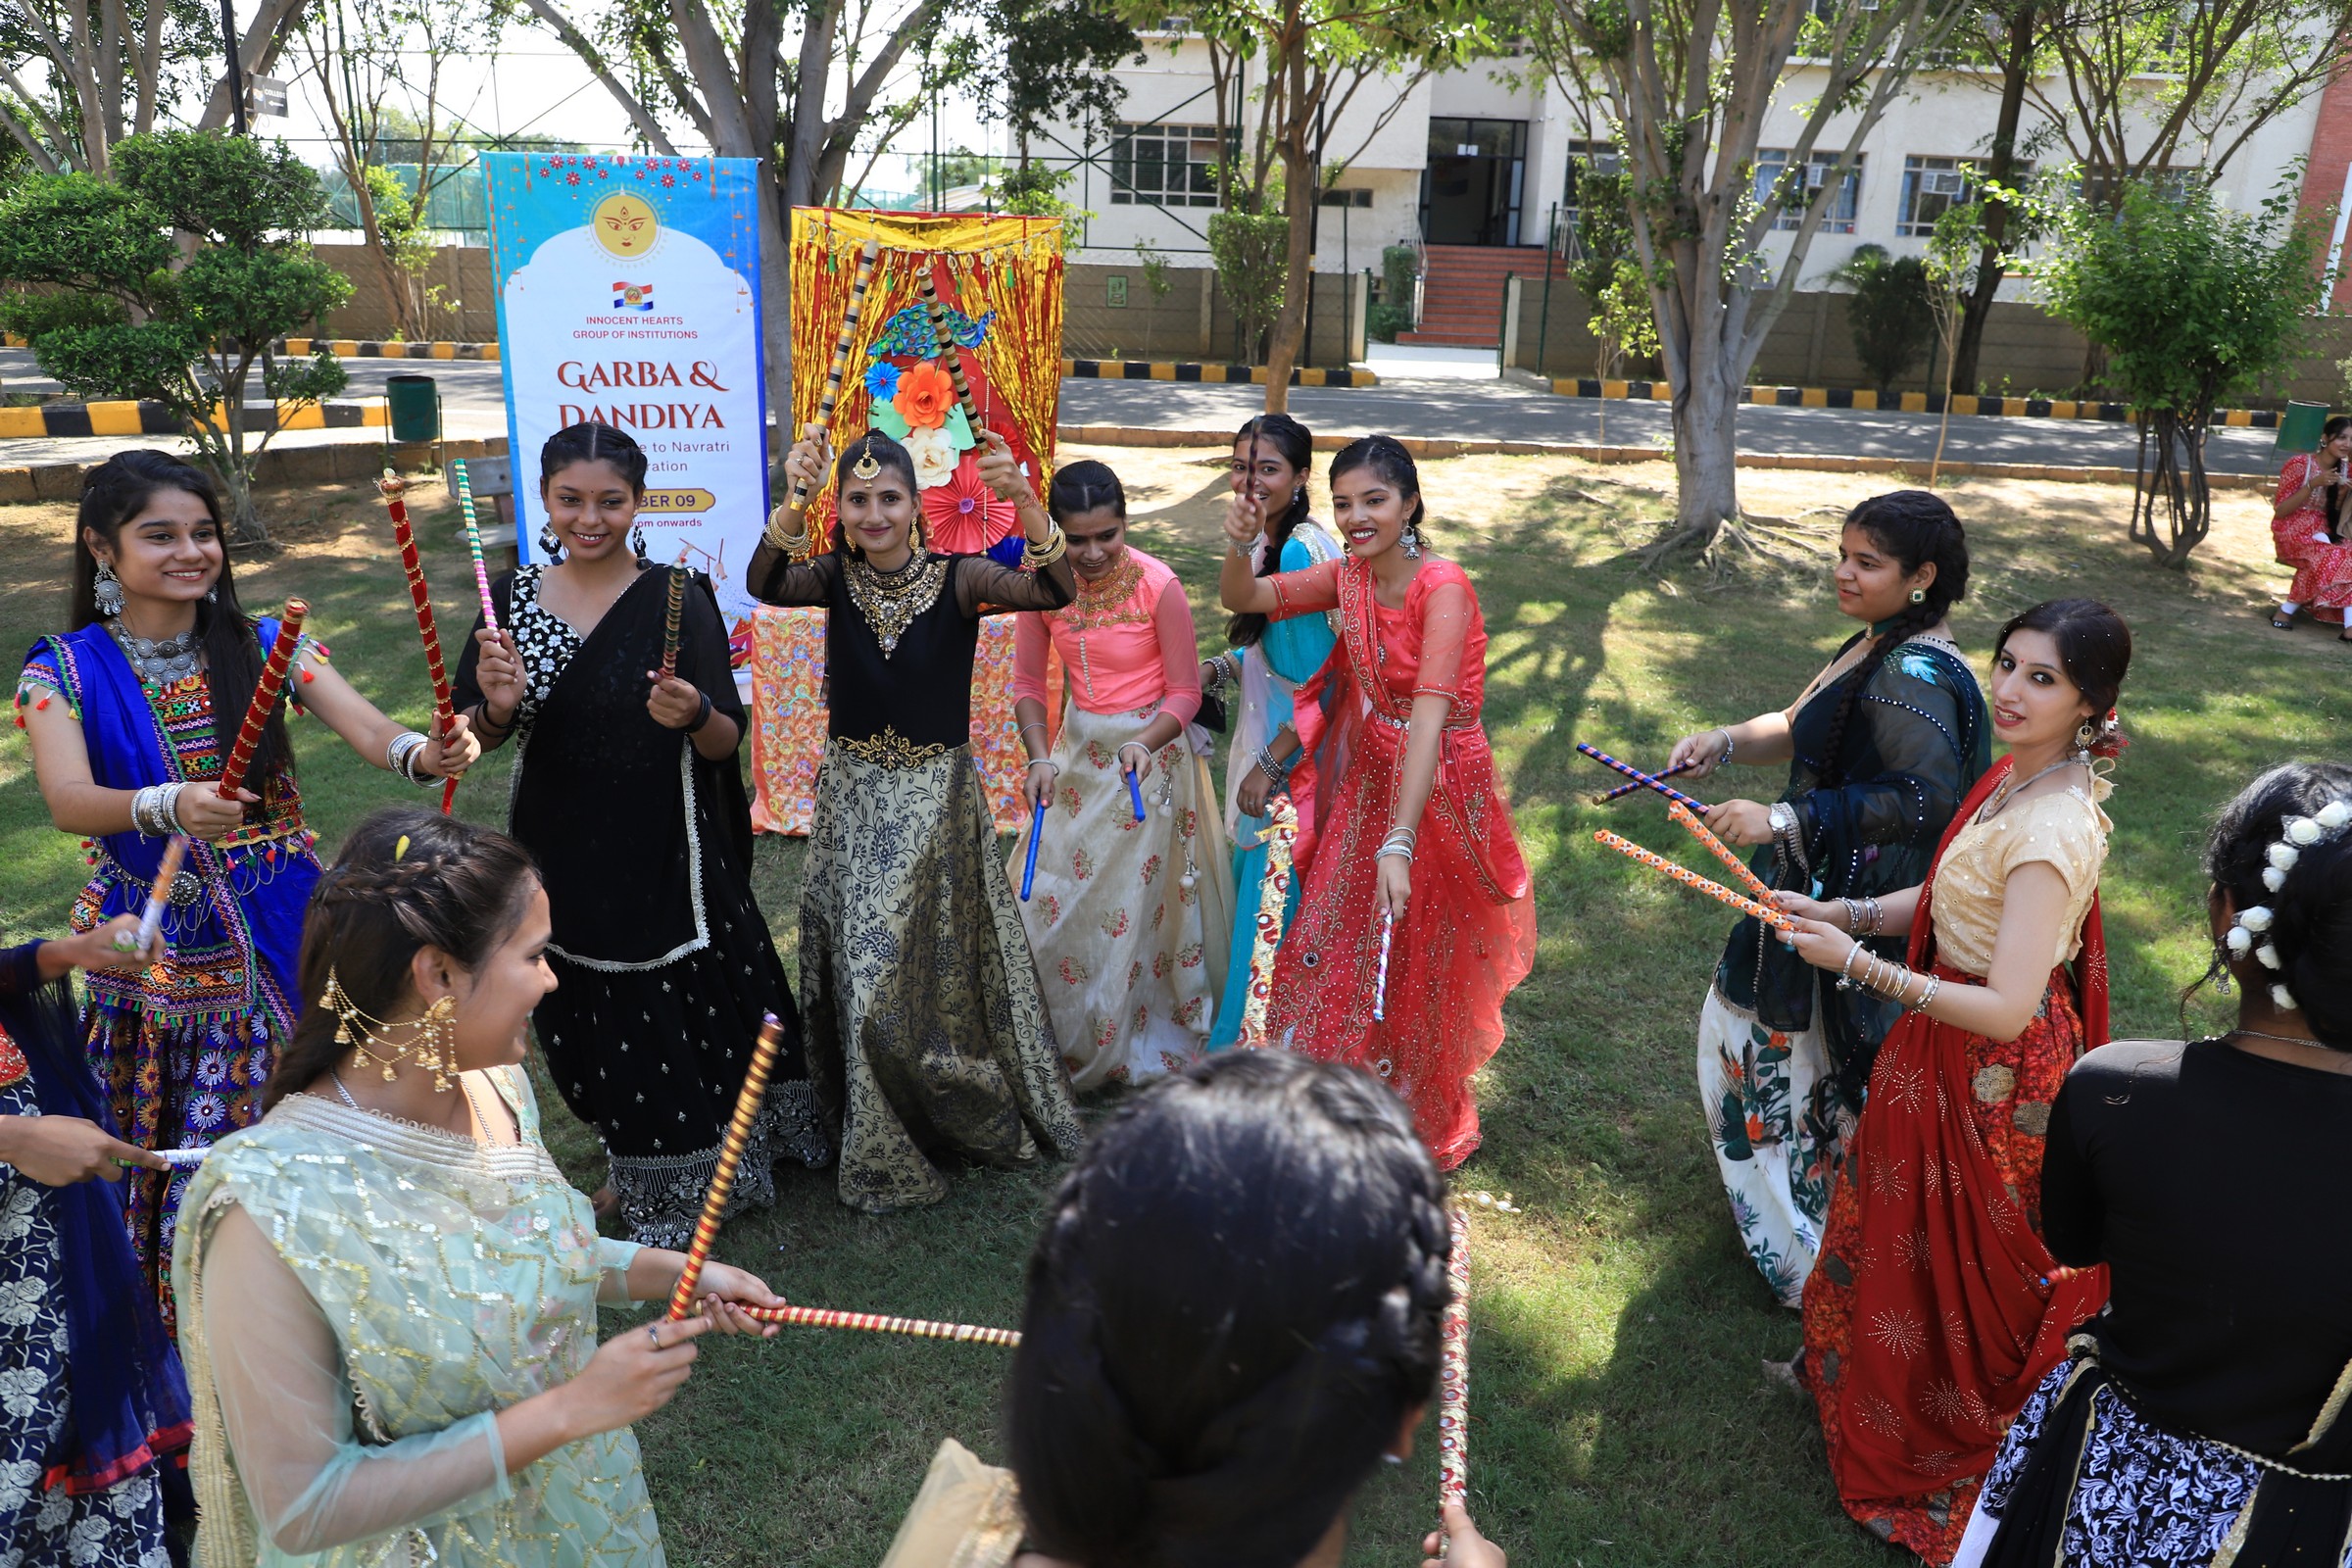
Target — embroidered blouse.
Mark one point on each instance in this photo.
(1435, 644)
(2065, 830)
(1126, 642)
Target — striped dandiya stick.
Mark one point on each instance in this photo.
(393, 487)
(1273, 897)
(866, 256)
(1453, 1372)
(949, 351)
(474, 541)
(1623, 790)
(819, 1317)
(1717, 847)
(1691, 879)
(1380, 986)
(730, 1155)
(264, 697)
(159, 891)
(671, 626)
(1641, 778)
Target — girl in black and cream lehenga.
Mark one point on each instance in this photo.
(926, 1026)
(628, 796)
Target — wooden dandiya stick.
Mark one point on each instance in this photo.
(1453, 1372)
(1641, 778)
(264, 697)
(159, 891)
(1379, 987)
(866, 256)
(1623, 790)
(393, 487)
(948, 350)
(817, 1317)
(671, 626)
(1691, 879)
(473, 542)
(1273, 897)
(730, 1155)
(1717, 847)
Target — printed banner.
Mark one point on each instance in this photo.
(628, 292)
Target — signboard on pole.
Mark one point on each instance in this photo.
(628, 293)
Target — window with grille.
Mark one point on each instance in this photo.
(1165, 165)
(1777, 183)
(1932, 187)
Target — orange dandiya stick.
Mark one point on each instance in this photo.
(730, 1155)
(264, 697)
(392, 486)
(1691, 879)
(817, 1317)
(1755, 884)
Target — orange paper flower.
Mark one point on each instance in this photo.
(926, 395)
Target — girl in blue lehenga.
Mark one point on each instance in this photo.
(130, 716)
(1269, 660)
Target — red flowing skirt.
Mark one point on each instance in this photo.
(1934, 1310)
(1466, 939)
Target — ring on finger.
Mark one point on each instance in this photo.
(653, 1331)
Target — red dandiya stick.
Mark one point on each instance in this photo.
(1454, 1373)
(391, 486)
(1623, 790)
(1755, 884)
(264, 697)
(1640, 777)
(730, 1155)
(1691, 879)
(819, 1317)
(677, 614)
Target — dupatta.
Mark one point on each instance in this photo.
(1959, 1310)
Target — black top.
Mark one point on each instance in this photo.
(2213, 1183)
(923, 687)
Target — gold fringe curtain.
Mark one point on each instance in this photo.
(1001, 262)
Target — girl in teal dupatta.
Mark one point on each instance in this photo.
(390, 1292)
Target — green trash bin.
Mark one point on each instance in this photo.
(2300, 425)
(416, 402)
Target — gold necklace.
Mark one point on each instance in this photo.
(1102, 602)
(889, 602)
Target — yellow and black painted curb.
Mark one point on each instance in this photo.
(59, 419)
(361, 347)
(1832, 397)
(1187, 371)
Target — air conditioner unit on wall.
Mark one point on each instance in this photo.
(1944, 182)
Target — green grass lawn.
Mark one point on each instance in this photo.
(1619, 1416)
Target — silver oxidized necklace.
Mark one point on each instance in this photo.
(158, 662)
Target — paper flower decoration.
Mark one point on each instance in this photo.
(934, 454)
(882, 381)
(963, 517)
(926, 395)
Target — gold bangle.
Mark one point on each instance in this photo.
(1056, 546)
(778, 535)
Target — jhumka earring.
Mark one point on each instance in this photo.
(107, 592)
(2085, 733)
(1409, 542)
(435, 1050)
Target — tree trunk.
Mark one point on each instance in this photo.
(1706, 411)
(2017, 73)
(1290, 325)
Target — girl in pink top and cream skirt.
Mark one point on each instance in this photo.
(1127, 917)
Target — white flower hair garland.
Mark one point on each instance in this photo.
(2249, 931)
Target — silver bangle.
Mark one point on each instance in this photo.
(166, 811)
(401, 753)
(1729, 745)
(1935, 983)
(1047, 762)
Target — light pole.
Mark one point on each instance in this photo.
(236, 72)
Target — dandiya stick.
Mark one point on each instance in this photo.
(1691, 879)
(159, 893)
(1623, 790)
(1135, 793)
(948, 350)
(1453, 1372)
(393, 486)
(473, 542)
(264, 697)
(676, 620)
(1379, 987)
(730, 1155)
(831, 396)
(819, 1317)
(1716, 847)
(1273, 897)
(1037, 831)
(1640, 777)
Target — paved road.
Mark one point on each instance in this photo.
(473, 405)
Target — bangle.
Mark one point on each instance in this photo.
(702, 717)
(400, 754)
(1277, 770)
(488, 728)
(1032, 724)
(1035, 555)
(783, 538)
(1729, 745)
(1935, 983)
(1047, 762)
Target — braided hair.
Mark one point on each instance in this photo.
(407, 879)
(1297, 448)
(1233, 1307)
(1915, 527)
(2311, 912)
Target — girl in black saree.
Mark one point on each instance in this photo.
(628, 795)
(927, 1027)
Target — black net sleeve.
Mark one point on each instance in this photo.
(1910, 738)
(773, 578)
(984, 587)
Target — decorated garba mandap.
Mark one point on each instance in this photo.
(999, 279)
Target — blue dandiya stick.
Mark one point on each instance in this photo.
(1135, 793)
(1623, 790)
(1640, 777)
(1037, 831)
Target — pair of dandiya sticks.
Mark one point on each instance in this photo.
(1685, 809)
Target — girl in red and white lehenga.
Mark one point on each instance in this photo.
(2308, 517)
(1406, 822)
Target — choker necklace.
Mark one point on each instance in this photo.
(2285, 1040)
(158, 662)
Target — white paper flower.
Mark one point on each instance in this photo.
(2302, 830)
(2282, 999)
(2240, 941)
(2335, 815)
(2272, 878)
(934, 454)
(2268, 954)
(2284, 856)
(2255, 918)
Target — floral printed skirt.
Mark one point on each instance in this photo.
(1129, 919)
(1777, 1126)
(919, 1003)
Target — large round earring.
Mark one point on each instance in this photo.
(1919, 595)
(107, 592)
(2085, 733)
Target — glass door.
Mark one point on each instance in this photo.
(1470, 185)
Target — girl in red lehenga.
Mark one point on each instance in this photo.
(1402, 817)
(2309, 516)
(1935, 1309)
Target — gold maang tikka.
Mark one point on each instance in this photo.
(868, 465)
(435, 1050)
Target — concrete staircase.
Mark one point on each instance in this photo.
(1461, 294)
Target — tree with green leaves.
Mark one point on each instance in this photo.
(125, 315)
(1955, 264)
(2193, 303)
(1890, 315)
(1607, 272)
(1035, 191)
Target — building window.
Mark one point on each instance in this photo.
(1349, 196)
(1165, 165)
(1599, 157)
(1776, 182)
(1932, 187)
